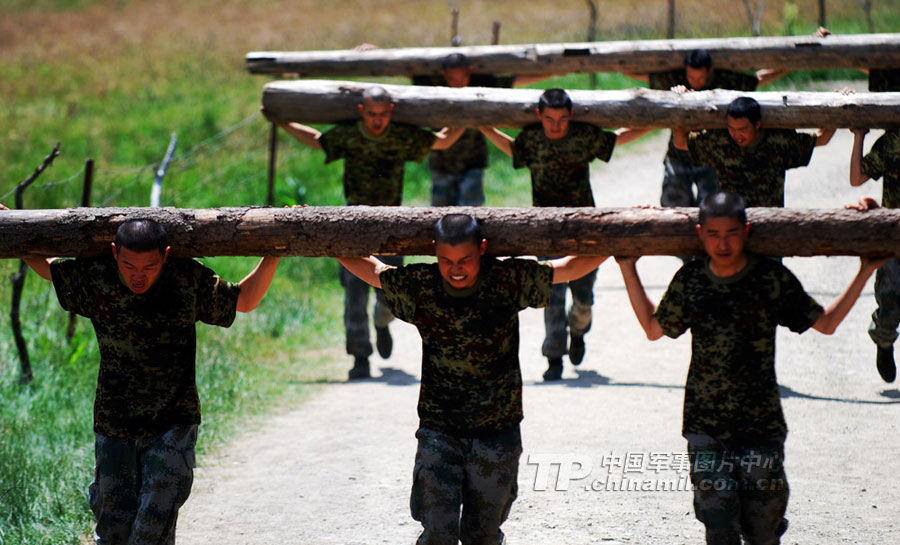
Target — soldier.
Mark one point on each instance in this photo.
(883, 160)
(375, 152)
(733, 302)
(680, 175)
(466, 309)
(557, 152)
(749, 159)
(457, 173)
(143, 306)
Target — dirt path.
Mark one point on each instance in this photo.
(337, 469)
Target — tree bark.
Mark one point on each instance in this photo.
(317, 101)
(363, 230)
(642, 56)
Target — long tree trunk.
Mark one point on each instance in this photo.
(789, 53)
(317, 101)
(363, 230)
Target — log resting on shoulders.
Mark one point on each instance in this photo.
(364, 230)
(319, 101)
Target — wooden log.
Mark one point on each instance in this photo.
(642, 56)
(363, 230)
(321, 101)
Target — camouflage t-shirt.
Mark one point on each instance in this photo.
(884, 160)
(373, 166)
(471, 382)
(470, 151)
(719, 79)
(755, 171)
(146, 383)
(559, 168)
(731, 391)
(881, 81)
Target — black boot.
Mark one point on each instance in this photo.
(554, 370)
(360, 369)
(383, 342)
(576, 349)
(884, 361)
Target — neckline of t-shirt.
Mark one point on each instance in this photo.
(366, 135)
(752, 259)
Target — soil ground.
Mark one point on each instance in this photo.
(337, 469)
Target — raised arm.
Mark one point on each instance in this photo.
(255, 284)
(640, 77)
(769, 75)
(500, 139)
(856, 156)
(823, 136)
(446, 137)
(303, 133)
(40, 265)
(835, 312)
(680, 138)
(626, 135)
(637, 296)
(366, 269)
(566, 269)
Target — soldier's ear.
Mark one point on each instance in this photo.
(482, 248)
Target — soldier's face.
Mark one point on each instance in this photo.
(724, 239)
(139, 270)
(742, 131)
(555, 122)
(375, 116)
(460, 263)
(457, 77)
(697, 77)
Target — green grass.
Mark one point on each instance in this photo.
(117, 99)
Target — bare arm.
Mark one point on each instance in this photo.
(769, 75)
(366, 269)
(680, 138)
(835, 312)
(637, 296)
(823, 136)
(446, 137)
(303, 133)
(626, 135)
(566, 269)
(856, 156)
(255, 284)
(500, 139)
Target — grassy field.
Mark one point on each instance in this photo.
(113, 79)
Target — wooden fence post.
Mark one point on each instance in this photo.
(273, 150)
(18, 279)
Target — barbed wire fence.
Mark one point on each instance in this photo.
(234, 149)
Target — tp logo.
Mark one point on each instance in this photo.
(572, 467)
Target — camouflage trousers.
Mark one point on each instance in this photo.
(463, 488)
(886, 317)
(557, 323)
(739, 491)
(356, 312)
(679, 180)
(457, 189)
(139, 485)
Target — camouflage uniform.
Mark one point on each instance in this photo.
(560, 176)
(457, 173)
(881, 81)
(681, 174)
(146, 409)
(732, 409)
(373, 175)
(755, 171)
(883, 161)
(470, 401)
